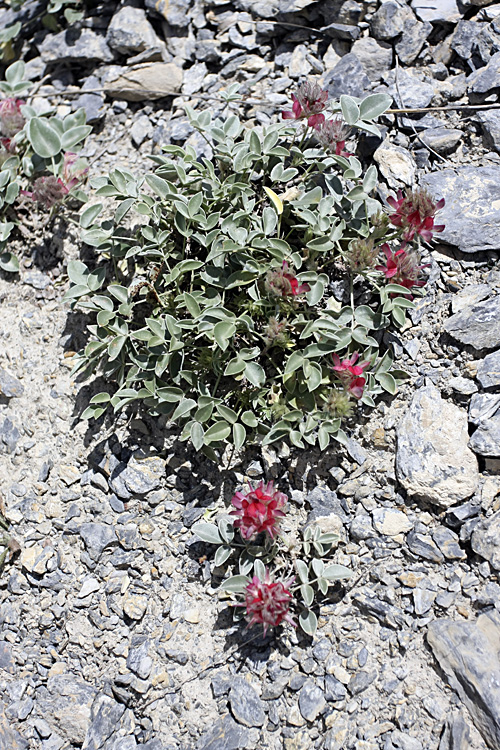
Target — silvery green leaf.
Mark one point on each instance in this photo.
(350, 109)
(318, 566)
(259, 569)
(197, 436)
(9, 262)
(387, 382)
(323, 585)
(218, 431)
(307, 593)
(302, 570)
(222, 554)
(374, 105)
(235, 584)
(239, 436)
(308, 622)
(226, 528)
(44, 139)
(336, 572)
(207, 532)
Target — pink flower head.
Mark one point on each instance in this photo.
(11, 119)
(414, 213)
(72, 174)
(283, 283)
(333, 134)
(402, 267)
(308, 103)
(47, 190)
(351, 374)
(267, 602)
(259, 509)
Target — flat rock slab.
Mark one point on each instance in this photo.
(147, 81)
(468, 653)
(472, 212)
(477, 326)
(433, 460)
(488, 371)
(270, 8)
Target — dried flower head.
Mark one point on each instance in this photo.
(47, 191)
(308, 103)
(259, 509)
(11, 119)
(350, 374)
(402, 267)
(275, 333)
(362, 255)
(268, 602)
(332, 134)
(414, 213)
(282, 283)
(74, 170)
(338, 404)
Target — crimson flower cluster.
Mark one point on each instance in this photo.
(402, 267)
(350, 374)
(11, 118)
(283, 283)
(267, 602)
(308, 104)
(414, 213)
(50, 190)
(259, 509)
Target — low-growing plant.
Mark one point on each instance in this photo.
(214, 301)
(36, 157)
(250, 543)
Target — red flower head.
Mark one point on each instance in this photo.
(414, 213)
(258, 510)
(308, 103)
(267, 602)
(351, 374)
(11, 119)
(283, 283)
(333, 134)
(402, 267)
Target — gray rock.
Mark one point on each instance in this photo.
(465, 38)
(478, 326)
(442, 140)
(487, 78)
(97, 537)
(270, 8)
(412, 39)
(10, 387)
(447, 541)
(486, 439)
(472, 211)
(468, 653)
(486, 540)
(465, 386)
(361, 527)
(141, 130)
(483, 407)
(488, 371)
(436, 10)
(361, 681)
(387, 614)
(423, 546)
(342, 31)
(347, 77)
(105, 716)
(403, 741)
(146, 81)
(67, 708)
(246, 706)
(174, 12)
(10, 739)
(194, 81)
(423, 599)
(469, 295)
(388, 21)
(433, 460)
(130, 32)
(324, 502)
(138, 660)
(9, 435)
(144, 473)
(375, 57)
(311, 700)
(391, 522)
(225, 734)
(412, 92)
(334, 689)
(134, 605)
(456, 735)
(491, 127)
(75, 45)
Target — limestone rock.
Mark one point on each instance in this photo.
(468, 653)
(146, 81)
(472, 212)
(433, 461)
(130, 32)
(396, 164)
(488, 372)
(486, 540)
(76, 45)
(477, 326)
(391, 522)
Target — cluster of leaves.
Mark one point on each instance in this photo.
(51, 14)
(212, 293)
(298, 560)
(37, 160)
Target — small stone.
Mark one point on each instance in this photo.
(139, 662)
(465, 386)
(225, 734)
(491, 128)
(10, 387)
(334, 689)
(485, 78)
(444, 11)
(442, 140)
(447, 541)
(89, 586)
(146, 81)
(9, 737)
(144, 473)
(361, 681)
(311, 701)
(177, 607)
(423, 600)
(391, 522)
(97, 537)
(130, 32)
(35, 559)
(192, 615)
(375, 57)
(69, 474)
(141, 130)
(361, 527)
(347, 77)
(396, 164)
(488, 371)
(486, 540)
(246, 706)
(105, 718)
(423, 546)
(134, 605)
(456, 735)
(9, 435)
